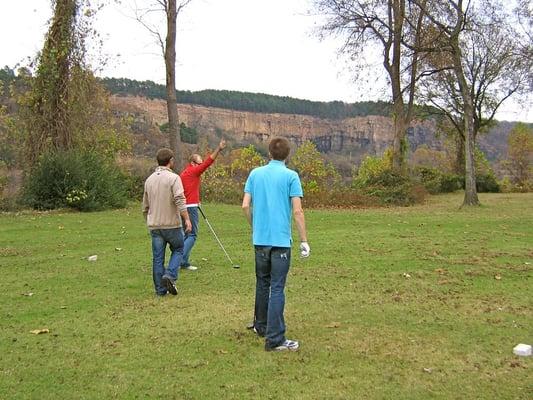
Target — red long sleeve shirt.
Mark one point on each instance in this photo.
(190, 178)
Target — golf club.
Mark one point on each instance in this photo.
(218, 240)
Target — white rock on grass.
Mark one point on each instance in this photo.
(522, 350)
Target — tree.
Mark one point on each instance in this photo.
(452, 33)
(171, 9)
(63, 106)
(49, 98)
(398, 30)
(478, 63)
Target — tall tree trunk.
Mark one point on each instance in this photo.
(459, 167)
(400, 126)
(170, 64)
(471, 198)
(399, 112)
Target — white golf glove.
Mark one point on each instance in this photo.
(305, 250)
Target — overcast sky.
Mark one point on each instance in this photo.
(245, 45)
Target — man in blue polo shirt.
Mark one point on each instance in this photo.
(272, 195)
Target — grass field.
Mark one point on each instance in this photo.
(425, 302)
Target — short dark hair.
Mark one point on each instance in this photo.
(279, 148)
(164, 156)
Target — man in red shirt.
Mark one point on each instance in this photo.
(190, 177)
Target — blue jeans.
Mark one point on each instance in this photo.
(271, 269)
(190, 237)
(160, 238)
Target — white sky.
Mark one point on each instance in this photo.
(265, 46)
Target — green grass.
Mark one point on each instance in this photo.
(425, 302)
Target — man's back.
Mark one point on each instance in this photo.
(271, 188)
(163, 198)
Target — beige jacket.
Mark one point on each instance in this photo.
(163, 199)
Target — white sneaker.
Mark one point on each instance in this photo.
(190, 268)
(287, 345)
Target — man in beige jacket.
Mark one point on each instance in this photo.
(164, 208)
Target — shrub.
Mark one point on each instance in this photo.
(371, 167)
(317, 174)
(3, 177)
(85, 182)
(391, 188)
(243, 161)
(436, 181)
(135, 171)
(187, 134)
(218, 186)
(487, 183)
(224, 181)
(485, 179)
(424, 156)
(376, 179)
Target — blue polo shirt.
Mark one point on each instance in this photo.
(271, 188)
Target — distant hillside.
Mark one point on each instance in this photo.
(340, 130)
(253, 102)
(346, 140)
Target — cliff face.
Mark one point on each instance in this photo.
(372, 134)
(357, 136)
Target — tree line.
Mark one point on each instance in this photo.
(242, 101)
(253, 102)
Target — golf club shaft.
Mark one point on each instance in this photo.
(215, 235)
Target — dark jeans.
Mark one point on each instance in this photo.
(160, 239)
(271, 268)
(190, 238)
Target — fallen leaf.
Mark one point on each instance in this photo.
(497, 277)
(92, 258)
(428, 370)
(334, 325)
(60, 227)
(406, 275)
(40, 331)
(28, 294)
(118, 248)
